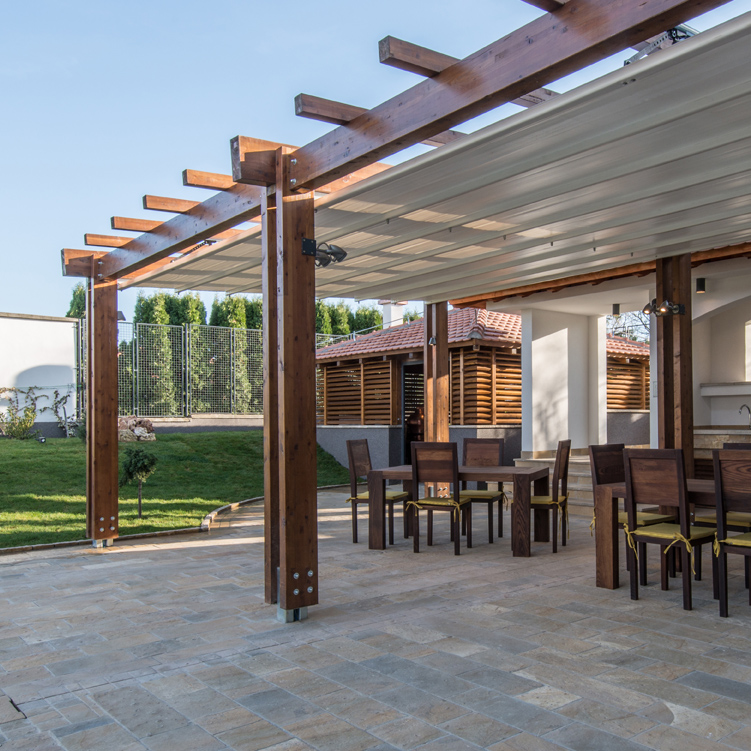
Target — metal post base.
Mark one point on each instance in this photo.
(108, 543)
(290, 616)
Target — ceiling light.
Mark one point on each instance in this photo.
(701, 285)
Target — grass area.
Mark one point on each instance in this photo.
(43, 486)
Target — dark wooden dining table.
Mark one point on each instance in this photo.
(526, 481)
(700, 493)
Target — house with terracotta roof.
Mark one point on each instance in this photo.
(376, 380)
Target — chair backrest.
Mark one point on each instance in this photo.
(736, 446)
(482, 452)
(656, 477)
(359, 462)
(560, 468)
(606, 462)
(434, 462)
(732, 483)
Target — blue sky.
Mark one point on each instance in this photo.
(104, 102)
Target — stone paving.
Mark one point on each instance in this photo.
(167, 645)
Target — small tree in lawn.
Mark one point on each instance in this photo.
(139, 465)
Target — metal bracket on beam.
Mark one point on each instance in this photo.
(308, 247)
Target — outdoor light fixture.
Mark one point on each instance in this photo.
(701, 285)
(324, 253)
(431, 341)
(120, 315)
(616, 309)
(665, 308)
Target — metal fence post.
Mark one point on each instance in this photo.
(136, 367)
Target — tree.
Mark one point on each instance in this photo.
(254, 313)
(412, 315)
(139, 465)
(228, 312)
(366, 317)
(186, 308)
(323, 318)
(634, 326)
(340, 315)
(77, 307)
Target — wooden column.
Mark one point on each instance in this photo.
(270, 401)
(675, 398)
(436, 369)
(298, 512)
(101, 412)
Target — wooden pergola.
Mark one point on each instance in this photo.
(465, 219)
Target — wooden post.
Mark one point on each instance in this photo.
(436, 368)
(298, 538)
(270, 401)
(101, 413)
(675, 399)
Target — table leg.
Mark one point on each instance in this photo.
(520, 545)
(606, 539)
(376, 511)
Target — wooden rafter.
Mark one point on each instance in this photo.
(339, 113)
(171, 205)
(551, 6)
(78, 262)
(549, 47)
(105, 241)
(426, 62)
(150, 225)
(210, 180)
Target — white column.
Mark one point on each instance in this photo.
(564, 380)
(393, 313)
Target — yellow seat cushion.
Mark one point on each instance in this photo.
(743, 540)
(545, 500)
(646, 518)
(481, 495)
(449, 502)
(391, 495)
(734, 518)
(669, 532)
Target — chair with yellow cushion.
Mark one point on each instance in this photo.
(485, 452)
(557, 501)
(606, 463)
(436, 464)
(732, 480)
(657, 477)
(359, 466)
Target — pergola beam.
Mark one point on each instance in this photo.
(218, 213)
(171, 205)
(426, 62)
(105, 241)
(339, 113)
(549, 47)
(150, 225)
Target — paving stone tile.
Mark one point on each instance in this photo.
(478, 729)
(139, 711)
(741, 739)
(449, 744)
(584, 738)
(525, 742)
(500, 680)
(187, 738)
(360, 678)
(716, 685)
(664, 738)
(103, 736)
(302, 683)
(254, 736)
(692, 720)
(547, 697)
(606, 717)
(328, 733)
(407, 733)
(357, 709)
(279, 707)
(234, 718)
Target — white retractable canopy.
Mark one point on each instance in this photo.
(652, 160)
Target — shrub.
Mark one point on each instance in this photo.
(18, 421)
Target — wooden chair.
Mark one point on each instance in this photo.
(606, 463)
(485, 452)
(358, 454)
(658, 477)
(732, 482)
(437, 463)
(557, 501)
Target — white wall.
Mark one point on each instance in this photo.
(564, 380)
(38, 351)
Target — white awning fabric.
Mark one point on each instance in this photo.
(652, 160)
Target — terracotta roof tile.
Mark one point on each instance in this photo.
(504, 329)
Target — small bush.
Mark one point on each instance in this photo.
(18, 421)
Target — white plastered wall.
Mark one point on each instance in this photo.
(564, 379)
(38, 351)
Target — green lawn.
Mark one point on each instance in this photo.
(43, 486)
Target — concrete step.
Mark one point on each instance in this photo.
(579, 476)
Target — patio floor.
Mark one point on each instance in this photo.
(167, 645)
